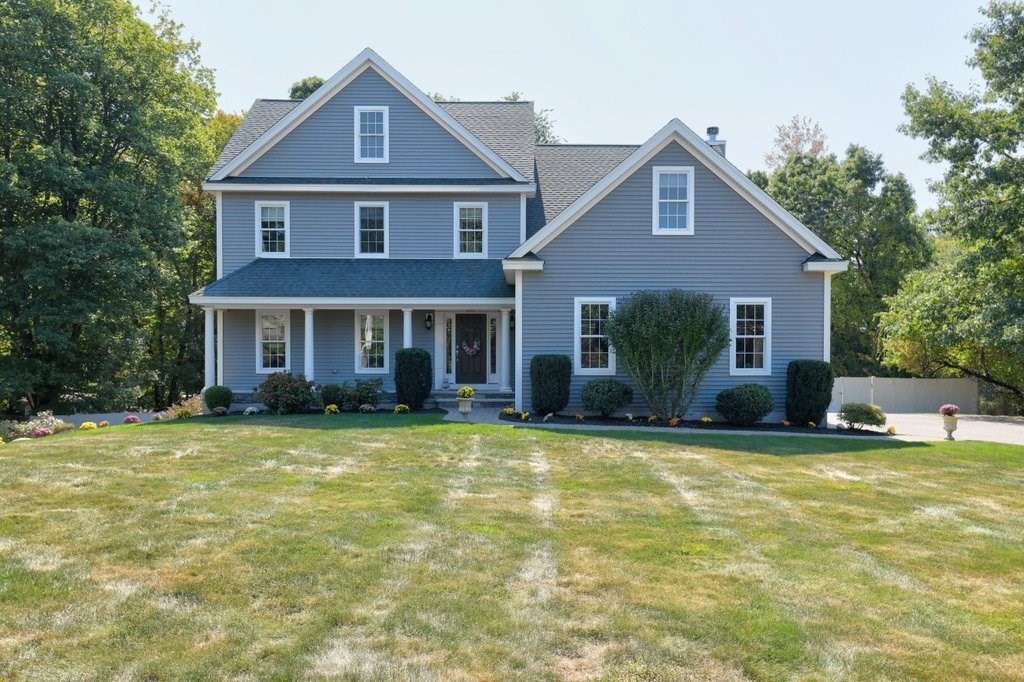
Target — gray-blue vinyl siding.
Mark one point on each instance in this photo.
(735, 252)
(323, 225)
(323, 144)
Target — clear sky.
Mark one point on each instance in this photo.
(618, 71)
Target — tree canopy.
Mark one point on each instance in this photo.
(800, 135)
(305, 87)
(966, 314)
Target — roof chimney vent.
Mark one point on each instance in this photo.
(714, 142)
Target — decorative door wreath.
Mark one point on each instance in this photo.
(470, 351)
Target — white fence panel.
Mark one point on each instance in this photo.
(906, 395)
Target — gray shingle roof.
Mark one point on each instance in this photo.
(263, 114)
(364, 277)
(564, 173)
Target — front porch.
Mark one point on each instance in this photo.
(470, 342)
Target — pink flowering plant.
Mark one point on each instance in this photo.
(949, 410)
(132, 419)
(41, 432)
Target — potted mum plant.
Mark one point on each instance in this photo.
(949, 414)
(465, 398)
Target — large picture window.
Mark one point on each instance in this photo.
(751, 328)
(371, 342)
(470, 230)
(272, 229)
(371, 134)
(272, 331)
(593, 353)
(371, 229)
(673, 200)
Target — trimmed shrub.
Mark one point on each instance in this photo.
(667, 341)
(808, 391)
(745, 404)
(132, 419)
(367, 392)
(550, 376)
(858, 415)
(86, 426)
(401, 409)
(285, 393)
(604, 396)
(335, 394)
(217, 396)
(413, 377)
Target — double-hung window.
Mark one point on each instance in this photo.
(470, 230)
(750, 322)
(371, 134)
(371, 238)
(272, 229)
(673, 200)
(272, 347)
(371, 342)
(593, 353)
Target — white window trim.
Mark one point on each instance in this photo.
(765, 371)
(658, 171)
(287, 229)
(387, 229)
(355, 132)
(455, 222)
(387, 342)
(260, 369)
(577, 349)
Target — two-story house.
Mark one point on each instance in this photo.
(368, 218)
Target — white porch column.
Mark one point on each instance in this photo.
(220, 347)
(504, 365)
(406, 327)
(210, 353)
(308, 348)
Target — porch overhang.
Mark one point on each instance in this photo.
(348, 303)
(531, 262)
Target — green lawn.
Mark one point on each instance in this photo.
(403, 547)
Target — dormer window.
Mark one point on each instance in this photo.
(673, 200)
(371, 134)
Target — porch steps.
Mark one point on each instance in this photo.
(446, 399)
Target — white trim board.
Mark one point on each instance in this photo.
(529, 190)
(271, 302)
(362, 61)
(676, 131)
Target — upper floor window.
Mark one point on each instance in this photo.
(470, 230)
(371, 229)
(272, 353)
(594, 354)
(272, 229)
(371, 134)
(751, 331)
(673, 200)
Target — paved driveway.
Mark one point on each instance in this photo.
(970, 427)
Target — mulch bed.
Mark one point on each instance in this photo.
(687, 424)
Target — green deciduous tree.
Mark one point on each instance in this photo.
(101, 121)
(305, 87)
(667, 341)
(869, 215)
(966, 314)
(543, 124)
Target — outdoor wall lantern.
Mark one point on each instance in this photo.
(428, 320)
(512, 320)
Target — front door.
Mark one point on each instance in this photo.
(471, 349)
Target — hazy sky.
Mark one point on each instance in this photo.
(617, 72)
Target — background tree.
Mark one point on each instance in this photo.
(967, 313)
(101, 121)
(801, 135)
(305, 87)
(869, 215)
(543, 124)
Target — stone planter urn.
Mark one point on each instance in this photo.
(465, 406)
(949, 425)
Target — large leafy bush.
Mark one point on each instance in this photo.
(745, 404)
(858, 415)
(285, 393)
(808, 391)
(550, 376)
(667, 341)
(413, 377)
(604, 396)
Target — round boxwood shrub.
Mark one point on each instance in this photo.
(550, 376)
(413, 377)
(285, 393)
(858, 415)
(604, 396)
(745, 404)
(808, 391)
(217, 396)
